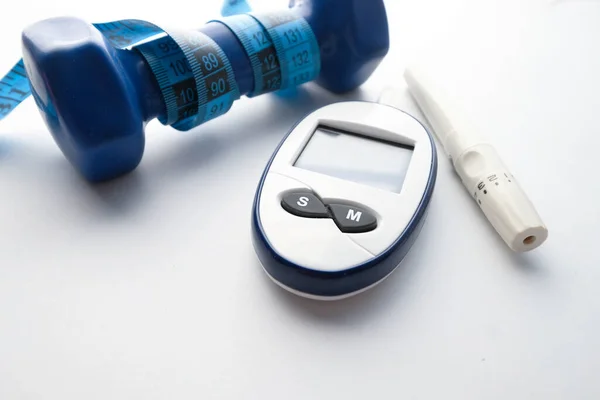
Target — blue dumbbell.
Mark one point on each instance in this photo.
(96, 100)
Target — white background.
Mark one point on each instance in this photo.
(148, 287)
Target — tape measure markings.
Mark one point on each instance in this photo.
(195, 77)
(216, 86)
(183, 75)
(198, 95)
(221, 104)
(168, 80)
(14, 89)
(124, 33)
(260, 50)
(296, 46)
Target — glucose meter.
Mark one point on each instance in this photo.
(343, 199)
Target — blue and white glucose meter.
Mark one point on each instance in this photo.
(343, 199)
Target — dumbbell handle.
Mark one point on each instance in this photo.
(152, 102)
(97, 99)
(150, 97)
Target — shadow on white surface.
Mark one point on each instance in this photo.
(528, 265)
(5, 148)
(394, 294)
(122, 194)
(364, 308)
(360, 309)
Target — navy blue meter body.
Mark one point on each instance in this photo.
(343, 199)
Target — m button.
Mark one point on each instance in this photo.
(352, 219)
(304, 204)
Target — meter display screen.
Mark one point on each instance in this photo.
(356, 158)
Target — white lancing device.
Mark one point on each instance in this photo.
(476, 161)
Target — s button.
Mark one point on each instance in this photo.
(304, 204)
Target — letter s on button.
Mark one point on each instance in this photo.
(304, 204)
(302, 201)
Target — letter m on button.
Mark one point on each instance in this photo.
(354, 215)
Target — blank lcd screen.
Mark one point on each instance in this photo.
(356, 158)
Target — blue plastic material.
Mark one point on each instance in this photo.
(353, 36)
(96, 100)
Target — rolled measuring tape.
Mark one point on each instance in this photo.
(99, 85)
(282, 49)
(195, 77)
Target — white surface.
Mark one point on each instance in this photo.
(332, 250)
(148, 287)
(476, 161)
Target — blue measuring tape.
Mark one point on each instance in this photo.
(296, 46)
(281, 46)
(14, 89)
(261, 51)
(195, 77)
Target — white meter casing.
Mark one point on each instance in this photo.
(343, 198)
